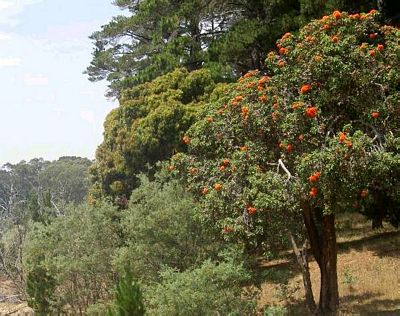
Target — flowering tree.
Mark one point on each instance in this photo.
(317, 136)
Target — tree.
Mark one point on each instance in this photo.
(147, 127)
(319, 132)
(226, 37)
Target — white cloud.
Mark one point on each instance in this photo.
(9, 62)
(9, 9)
(36, 80)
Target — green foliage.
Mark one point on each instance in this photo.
(212, 288)
(147, 127)
(73, 255)
(228, 38)
(275, 311)
(160, 229)
(128, 298)
(332, 77)
(40, 288)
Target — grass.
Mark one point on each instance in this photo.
(368, 273)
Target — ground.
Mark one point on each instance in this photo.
(368, 273)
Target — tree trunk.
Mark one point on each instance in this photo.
(324, 249)
(329, 294)
(302, 260)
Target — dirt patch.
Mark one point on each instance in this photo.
(368, 275)
(10, 301)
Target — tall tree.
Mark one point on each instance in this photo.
(320, 133)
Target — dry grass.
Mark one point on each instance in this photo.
(368, 273)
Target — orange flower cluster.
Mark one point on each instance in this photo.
(337, 15)
(243, 148)
(380, 47)
(186, 140)
(251, 210)
(314, 177)
(305, 88)
(218, 187)
(286, 36)
(342, 137)
(204, 191)
(313, 192)
(263, 98)
(311, 112)
(283, 51)
(228, 229)
(245, 112)
(364, 193)
(375, 114)
(281, 63)
(210, 119)
(335, 39)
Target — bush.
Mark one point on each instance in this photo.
(160, 229)
(211, 289)
(71, 257)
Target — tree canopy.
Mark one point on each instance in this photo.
(318, 134)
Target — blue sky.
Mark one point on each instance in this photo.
(48, 108)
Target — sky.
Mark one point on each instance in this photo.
(48, 107)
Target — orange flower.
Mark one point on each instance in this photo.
(226, 162)
(210, 119)
(238, 98)
(373, 11)
(380, 47)
(275, 116)
(251, 210)
(311, 112)
(309, 39)
(295, 105)
(325, 27)
(204, 191)
(222, 168)
(372, 36)
(245, 110)
(281, 63)
(337, 15)
(305, 88)
(263, 98)
(335, 39)
(364, 193)
(286, 35)
(313, 192)
(342, 137)
(283, 51)
(289, 148)
(250, 85)
(186, 140)
(171, 167)
(263, 80)
(355, 16)
(317, 58)
(314, 177)
(228, 229)
(301, 137)
(375, 115)
(243, 148)
(349, 144)
(218, 187)
(372, 53)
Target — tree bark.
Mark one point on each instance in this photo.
(302, 260)
(329, 294)
(324, 248)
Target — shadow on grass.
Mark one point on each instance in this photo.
(383, 245)
(375, 306)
